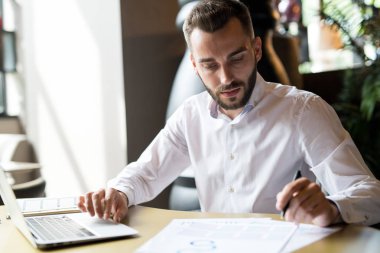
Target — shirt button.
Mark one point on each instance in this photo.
(231, 189)
(232, 157)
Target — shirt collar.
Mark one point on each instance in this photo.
(256, 96)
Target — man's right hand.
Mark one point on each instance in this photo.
(105, 203)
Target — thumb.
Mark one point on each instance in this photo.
(109, 202)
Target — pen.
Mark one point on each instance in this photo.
(296, 176)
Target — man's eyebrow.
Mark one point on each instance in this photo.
(205, 60)
(237, 51)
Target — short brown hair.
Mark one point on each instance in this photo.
(211, 15)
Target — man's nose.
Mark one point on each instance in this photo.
(226, 76)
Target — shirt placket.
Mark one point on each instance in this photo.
(230, 166)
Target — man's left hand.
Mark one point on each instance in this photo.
(307, 203)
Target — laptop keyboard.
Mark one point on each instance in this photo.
(57, 227)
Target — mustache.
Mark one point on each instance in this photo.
(233, 85)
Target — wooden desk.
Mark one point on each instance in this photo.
(149, 221)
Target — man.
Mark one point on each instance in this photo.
(245, 139)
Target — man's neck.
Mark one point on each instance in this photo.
(232, 114)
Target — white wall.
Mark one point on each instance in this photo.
(71, 60)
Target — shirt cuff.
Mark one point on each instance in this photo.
(128, 191)
(348, 214)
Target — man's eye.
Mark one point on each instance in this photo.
(237, 58)
(210, 66)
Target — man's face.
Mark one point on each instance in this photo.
(226, 62)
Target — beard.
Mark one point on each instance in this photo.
(233, 103)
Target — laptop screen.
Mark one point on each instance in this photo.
(11, 204)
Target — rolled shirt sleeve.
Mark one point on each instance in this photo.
(159, 165)
(338, 165)
(350, 184)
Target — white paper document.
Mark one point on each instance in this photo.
(307, 234)
(42, 206)
(231, 235)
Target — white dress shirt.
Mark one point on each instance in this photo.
(241, 164)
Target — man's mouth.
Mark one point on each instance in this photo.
(230, 93)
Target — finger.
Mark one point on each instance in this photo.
(310, 203)
(109, 202)
(289, 191)
(305, 200)
(88, 203)
(80, 203)
(291, 211)
(325, 213)
(120, 213)
(121, 209)
(322, 215)
(98, 202)
(305, 211)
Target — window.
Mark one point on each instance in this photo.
(9, 81)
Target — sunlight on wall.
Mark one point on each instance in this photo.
(74, 91)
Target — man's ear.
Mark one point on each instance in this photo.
(256, 42)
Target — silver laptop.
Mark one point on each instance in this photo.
(48, 231)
